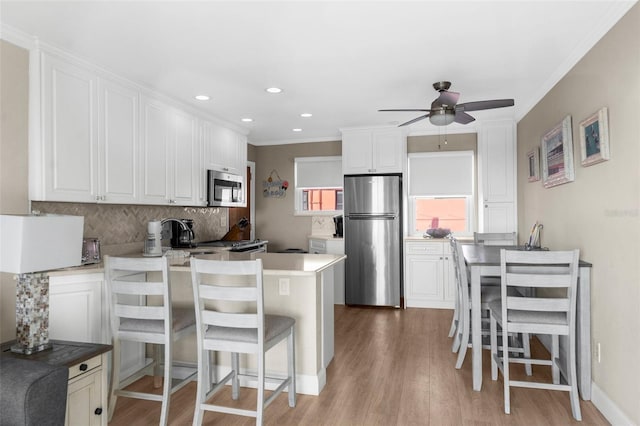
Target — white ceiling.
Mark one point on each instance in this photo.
(340, 61)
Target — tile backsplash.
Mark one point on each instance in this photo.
(126, 225)
(322, 225)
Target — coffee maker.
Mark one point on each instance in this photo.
(182, 233)
(338, 222)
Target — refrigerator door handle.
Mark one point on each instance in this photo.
(368, 216)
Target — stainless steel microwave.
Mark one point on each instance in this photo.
(225, 189)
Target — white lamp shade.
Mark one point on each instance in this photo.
(40, 243)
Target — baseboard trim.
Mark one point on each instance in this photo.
(608, 408)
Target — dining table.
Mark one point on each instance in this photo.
(484, 261)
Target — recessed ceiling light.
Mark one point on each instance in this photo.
(273, 90)
(306, 114)
(296, 130)
(202, 97)
(247, 119)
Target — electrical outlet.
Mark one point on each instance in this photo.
(223, 220)
(283, 286)
(598, 352)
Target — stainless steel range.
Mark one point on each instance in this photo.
(245, 246)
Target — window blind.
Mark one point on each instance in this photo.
(318, 172)
(441, 173)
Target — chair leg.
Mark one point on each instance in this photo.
(115, 378)
(464, 341)
(494, 348)
(201, 388)
(555, 358)
(291, 367)
(526, 346)
(235, 382)
(157, 372)
(573, 377)
(166, 390)
(505, 369)
(260, 405)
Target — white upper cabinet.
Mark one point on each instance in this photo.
(119, 143)
(185, 187)
(497, 172)
(373, 151)
(63, 133)
(224, 149)
(169, 155)
(95, 137)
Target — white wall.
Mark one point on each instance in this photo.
(599, 212)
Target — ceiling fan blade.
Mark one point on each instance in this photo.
(422, 117)
(414, 110)
(463, 118)
(478, 105)
(446, 98)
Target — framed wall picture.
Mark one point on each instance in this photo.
(533, 159)
(594, 138)
(556, 150)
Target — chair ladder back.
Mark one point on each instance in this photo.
(228, 293)
(230, 319)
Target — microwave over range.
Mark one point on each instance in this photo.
(225, 189)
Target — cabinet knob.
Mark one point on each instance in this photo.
(83, 367)
(98, 411)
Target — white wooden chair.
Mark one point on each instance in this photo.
(488, 294)
(234, 330)
(126, 279)
(495, 238)
(553, 314)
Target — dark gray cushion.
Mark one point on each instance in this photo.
(32, 392)
(273, 326)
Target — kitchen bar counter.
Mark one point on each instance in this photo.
(297, 285)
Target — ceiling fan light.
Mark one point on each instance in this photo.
(442, 117)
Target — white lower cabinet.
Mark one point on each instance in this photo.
(429, 277)
(86, 404)
(76, 309)
(79, 312)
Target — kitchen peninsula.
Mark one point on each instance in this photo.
(297, 285)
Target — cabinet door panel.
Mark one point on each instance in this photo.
(498, 217)
(388, 153)
(119, 143)
(69, 132)
(75, 310)
(184, 170)
(425, 277)
(84, 396)
(498, 162)
(357, 155)
(155, 154)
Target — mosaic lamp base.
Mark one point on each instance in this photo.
(32, 313)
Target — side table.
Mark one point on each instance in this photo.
(87, 389)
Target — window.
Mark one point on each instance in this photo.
(318, 185)
(441, 191)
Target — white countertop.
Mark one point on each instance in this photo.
(273, 263)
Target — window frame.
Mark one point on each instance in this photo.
(298, 191)
(471, 199)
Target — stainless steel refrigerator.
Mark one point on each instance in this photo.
(373, 239)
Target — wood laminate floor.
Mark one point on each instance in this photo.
(391, 367)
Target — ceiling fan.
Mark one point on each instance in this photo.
(445, 109)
